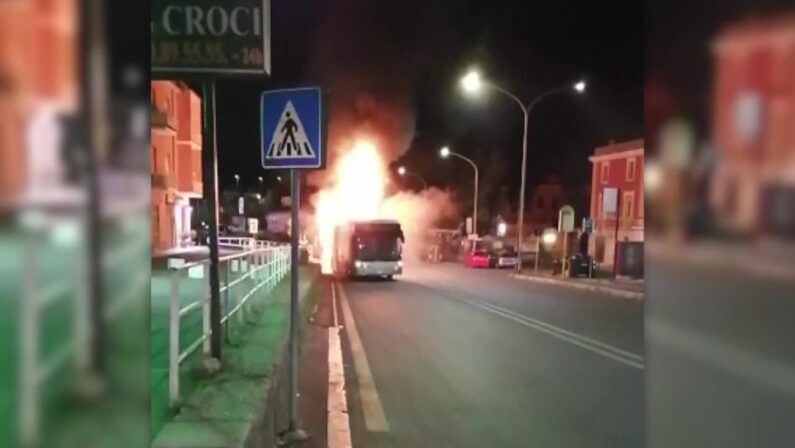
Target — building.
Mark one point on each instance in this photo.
(753, 186)
(176, 163)
(38, 84)
(616, 166)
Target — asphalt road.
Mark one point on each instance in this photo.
(719, 336)
(457, 357)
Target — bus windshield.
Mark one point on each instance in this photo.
(378, 247)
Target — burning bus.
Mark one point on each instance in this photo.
(368, 248)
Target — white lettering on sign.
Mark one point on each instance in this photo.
(234, 21)
(215, 21)
(194, 16)
(167, 20)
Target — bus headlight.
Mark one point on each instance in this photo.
(358, 264)
(400, 263)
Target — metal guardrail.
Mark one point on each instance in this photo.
(246, 242)
(263, 266)
(40, 293)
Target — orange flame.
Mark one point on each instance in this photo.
(356, 193)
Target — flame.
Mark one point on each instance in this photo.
(356, 193)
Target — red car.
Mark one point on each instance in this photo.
(478, 259)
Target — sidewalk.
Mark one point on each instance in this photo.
(246, 403)
(622, 288)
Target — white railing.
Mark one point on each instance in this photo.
(258, 268)
(40, 292)
(245, 242)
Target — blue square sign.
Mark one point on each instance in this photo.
(293, 128)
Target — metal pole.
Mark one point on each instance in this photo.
(94, 99)
(173, 342)
(475, 214)
(210, 181)
(521, 193)
(538, 252)
(294, 434)
(615, 237)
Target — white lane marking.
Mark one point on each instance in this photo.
(374, 418)
(338, 432)
(606, 350)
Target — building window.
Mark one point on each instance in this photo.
(631, 169)
(605, 172)
(629, 206)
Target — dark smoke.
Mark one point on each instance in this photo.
(369, 55)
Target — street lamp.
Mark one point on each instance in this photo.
(403, 172)
(237, 181)
(279, 178)
(445, 153)
(471, 83)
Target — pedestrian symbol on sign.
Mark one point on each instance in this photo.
(290, 140)
(293, 129)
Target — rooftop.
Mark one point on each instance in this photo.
(614, 148)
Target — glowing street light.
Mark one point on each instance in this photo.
(471, 83)
(502, 229)
(402, 171)
(445, 153)
(549, 237)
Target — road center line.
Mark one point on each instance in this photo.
(579, 341)
(374, 418)
(339, 428)
(606, 350)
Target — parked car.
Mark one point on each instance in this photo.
(478, 259)
(507, 258)
(580, 265)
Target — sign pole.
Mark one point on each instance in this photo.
(615, 237)
(565, 262)
(294, 434)
(210, 183)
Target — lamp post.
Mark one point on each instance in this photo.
(237, 182)
(445, 152)
(472, 83)
(403, 172)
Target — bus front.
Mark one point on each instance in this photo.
(377, 249)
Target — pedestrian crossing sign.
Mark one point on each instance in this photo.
(293, 129)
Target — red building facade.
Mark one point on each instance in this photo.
(618, 165)
(753, 122)
(176, 163)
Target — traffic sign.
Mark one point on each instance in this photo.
(566, 219)
(293, 129)
(587, 225)
(210, 37)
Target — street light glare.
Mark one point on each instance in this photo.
(580, 86)
(549, 237)
(471, 82)
(444, 152)
(402, 170)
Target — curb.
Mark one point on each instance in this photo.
(615, 292)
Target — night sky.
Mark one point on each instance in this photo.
(404, 59)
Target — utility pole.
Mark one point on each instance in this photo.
(210, 183)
